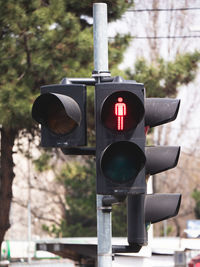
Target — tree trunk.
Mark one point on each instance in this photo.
(6, 179)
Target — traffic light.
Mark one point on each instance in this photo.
(120, 137)
(145, 209)
(61, 111)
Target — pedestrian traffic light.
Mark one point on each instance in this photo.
(61, 111)
(120, 137)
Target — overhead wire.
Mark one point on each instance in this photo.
(162, 9)
(166, 37)
(162, 37)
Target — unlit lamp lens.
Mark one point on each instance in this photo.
(122, 161)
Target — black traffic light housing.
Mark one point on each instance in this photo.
(61, 111)
(120, 137)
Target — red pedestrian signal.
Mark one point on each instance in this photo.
(120, 112)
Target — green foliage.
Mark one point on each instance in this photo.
(116, 49)
(83, 9)
(42, 42)
(79, 181)
(168, 232)
(196, 197)
(53, 229)
(162, 78)
(33, 53)
(42, 163)
(119, 220)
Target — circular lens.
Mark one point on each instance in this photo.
(122, 161)
(57, 120)
(122, 111)
(59, 113)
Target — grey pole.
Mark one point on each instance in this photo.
(29, 204)
(104, 228)
(100, 40)
(104, 234)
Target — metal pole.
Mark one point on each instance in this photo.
(29, 204)
(100, 40)
(104, 234)
(104, 229)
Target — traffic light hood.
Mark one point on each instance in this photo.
(159, 207)
(59, 113)
(160, 110)
(161, 158)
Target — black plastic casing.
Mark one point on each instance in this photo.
(106, 137)
(78, 136)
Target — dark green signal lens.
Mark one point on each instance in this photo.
(122, 161)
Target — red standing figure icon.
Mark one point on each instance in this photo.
(120, 112)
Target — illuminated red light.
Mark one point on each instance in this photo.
(120, 112)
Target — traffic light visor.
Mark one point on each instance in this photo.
(122, 161)
(59, 113)
(159, 207)
(122, 111)
(160, 110)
